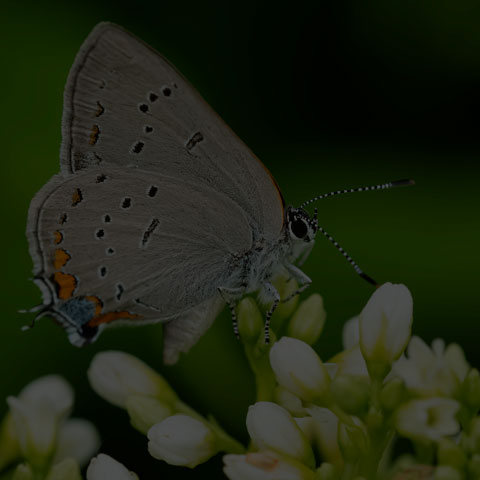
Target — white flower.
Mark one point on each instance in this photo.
(431, 372)
(308, 320)
(271, 427)
(117, 375)
(104, 467)
(37, 413)
(428, 418)
(182, 440)
(385, 327)
(265, 466)
(37, 431)
(299, 369)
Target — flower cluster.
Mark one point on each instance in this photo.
(176, 433)
(313, 420)
(39, 442)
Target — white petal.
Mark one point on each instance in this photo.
(298, 368)
(77, 439)
(104, 467)
(271, 427)
(181, 440)
(52, 389)
(118, 375)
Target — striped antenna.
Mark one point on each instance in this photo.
(384, 186)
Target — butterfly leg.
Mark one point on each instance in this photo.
(303, 279)
(270, 293)
(231, 296)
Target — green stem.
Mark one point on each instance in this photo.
(259, 362)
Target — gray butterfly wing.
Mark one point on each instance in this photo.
(122, 244)
(181, 333)
(126, 105)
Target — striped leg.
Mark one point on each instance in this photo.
(271, 293)
(303, 279)
(231, 296)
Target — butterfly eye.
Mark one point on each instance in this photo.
(299, 228)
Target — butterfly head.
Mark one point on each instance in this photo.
(301, 227)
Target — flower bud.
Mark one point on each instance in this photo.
(285, 287)
(308, 320)
(351, 393)
(392, 394)
(118, 375)
(265, 466)
(182, 440)
(299, 369)
(145, 412)
(352, 441)
(271, 427)
(67, 469)
(351, 362)
(385, 327)
(250, 320)
(351, 333)
(104, 467)
(326, 434)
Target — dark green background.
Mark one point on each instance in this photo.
(329, 96)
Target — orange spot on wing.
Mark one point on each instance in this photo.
(94, 135)
(57, 237)
(110, 317)
(61, 258)
(77, 197)
(98, 304)
(66, 284)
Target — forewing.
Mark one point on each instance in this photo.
(126, 105)
(144, 244)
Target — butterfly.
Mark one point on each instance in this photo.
(160, 213)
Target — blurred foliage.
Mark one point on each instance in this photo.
(329, 95)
